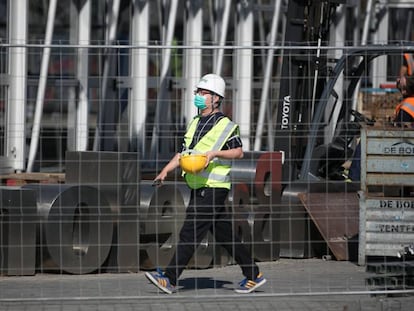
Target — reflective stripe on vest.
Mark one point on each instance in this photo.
(224, 135)
(407, 105)
(217, 177)
(219, 142)
(410, 63)
(216, 174)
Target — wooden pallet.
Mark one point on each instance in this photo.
(18, 179)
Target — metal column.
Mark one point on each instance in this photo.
(192, 57)
(110, 104)
(34, 142)
(364, 40)
(82, 120)
(367, 22)
(139, 72)
(221, 32)
(379, 64)
(243, 71)
(267, 79)
(71, 114)
(337, 37)
(161, 135)
(16, 102)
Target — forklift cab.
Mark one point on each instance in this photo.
(326, 152)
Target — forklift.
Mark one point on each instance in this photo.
(318, 204)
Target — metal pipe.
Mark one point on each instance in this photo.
(244, 71)
(192, 57)
(82, 120)
(223, 36)
(170, 33)
(42, 85)
(161, 114)
(337, 37)
(112, 20)
(139, 71)
(262, 34)
(72, 90)
(407, 32)
(16, 101)
(367, 21)
(364, 39)
(318, 54)
(267, 77)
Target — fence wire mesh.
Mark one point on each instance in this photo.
(86, 224)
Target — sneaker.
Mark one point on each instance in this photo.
(161, 281)
(247, 286)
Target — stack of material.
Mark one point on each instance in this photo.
(391, 274)
(379, 105)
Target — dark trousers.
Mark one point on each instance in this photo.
(355, 169)
(206, 212)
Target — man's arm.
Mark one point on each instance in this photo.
(233, 149)
(235, 153)
(402, 117)
(172, 165)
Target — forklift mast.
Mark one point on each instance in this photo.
(303, 77)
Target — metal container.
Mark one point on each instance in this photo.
(386, 225)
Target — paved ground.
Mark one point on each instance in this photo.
(293, 284)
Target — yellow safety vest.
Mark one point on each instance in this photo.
(216, 174)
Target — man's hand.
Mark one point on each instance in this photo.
(160, 178)
(210, 156)
(157, 183)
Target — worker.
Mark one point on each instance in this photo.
(216, 136)
(404, 114)
(407, 67)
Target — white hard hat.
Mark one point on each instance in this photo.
(212, 82)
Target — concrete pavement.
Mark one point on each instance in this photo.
(292, 284)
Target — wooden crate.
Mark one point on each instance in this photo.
(386, 217)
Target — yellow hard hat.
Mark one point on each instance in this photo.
(192, 162)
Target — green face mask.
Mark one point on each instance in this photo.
(200, 102)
